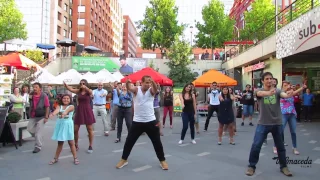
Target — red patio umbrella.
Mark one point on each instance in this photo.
(157, 77)
(19, 61)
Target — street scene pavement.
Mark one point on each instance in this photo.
(202, 161)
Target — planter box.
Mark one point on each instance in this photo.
(15, 129)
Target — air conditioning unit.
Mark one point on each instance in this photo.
(197, 72)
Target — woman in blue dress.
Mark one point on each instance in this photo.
(64, 130)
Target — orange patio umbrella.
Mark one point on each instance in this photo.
(214, 76)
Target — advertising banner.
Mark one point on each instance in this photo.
(139, 64)
(176, 99)
(93, 64)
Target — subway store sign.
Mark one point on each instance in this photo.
(93, 64)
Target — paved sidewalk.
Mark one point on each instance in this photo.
(203, 161)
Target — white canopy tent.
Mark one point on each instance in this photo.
(104, 76)
(43, 77)
(118, 76)
(90, 77)
(71, 77)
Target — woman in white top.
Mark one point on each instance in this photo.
(25, 94)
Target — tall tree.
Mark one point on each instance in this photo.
(159, 27)
(217, 27)
(180, 57)
(11, 21)
(258, 21)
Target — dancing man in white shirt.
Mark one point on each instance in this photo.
(144, 120)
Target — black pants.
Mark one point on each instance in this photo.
(187, 119)
(26, 114)
(307, 113)
(211, 109)
(152, 130)
(126, 114)
(297, 106)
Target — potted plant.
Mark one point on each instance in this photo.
(16, 123)
(14, 117)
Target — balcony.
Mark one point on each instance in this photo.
(264, 38)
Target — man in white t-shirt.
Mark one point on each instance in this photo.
(144, 120)
(213, 98)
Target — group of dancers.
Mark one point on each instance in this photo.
(273, 116)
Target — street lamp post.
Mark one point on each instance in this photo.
(191, 31)
(238, 34)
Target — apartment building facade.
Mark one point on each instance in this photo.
(97, 23)
(130, 41)
(60, 21)
(117, 26)
(36, 14)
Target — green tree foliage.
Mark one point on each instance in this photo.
(159, 27)
(35, 55)
(300, 7)
(217, 27)
(11, 21)
(153, 66)
(261, 13)
(179, 54)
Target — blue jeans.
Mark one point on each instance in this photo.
(187, 119)
(292, 121)
(247, 110)
(260, 135)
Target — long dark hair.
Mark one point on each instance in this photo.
(85, 83)
(23, 86)
(167, 93)
(184, 90)
(227, 96)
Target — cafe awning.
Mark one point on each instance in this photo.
(214, 76)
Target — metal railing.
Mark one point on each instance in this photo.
(287, 15)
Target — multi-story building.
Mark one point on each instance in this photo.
(36, 14)
(130, 42)
(117, 26)
(98, 23)
(60, 21)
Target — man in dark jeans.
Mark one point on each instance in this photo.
(269, 121)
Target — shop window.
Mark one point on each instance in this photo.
(256, 79)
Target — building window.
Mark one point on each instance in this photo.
(70, 24)
(81, 34)
(65, 7)
(81, 9)
(71, 1)
(91, 24)
(65, 20)
(81, 22)
(60, 3)
(94, 39)
(70, 12)
(95, 15)
(59, 30)
(65, 32)
(59, 16)
(91, 36)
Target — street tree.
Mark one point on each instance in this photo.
(160, 26)
(179, 58)
(259, 21)
(300, 7)
(11, 21)
(217, 27)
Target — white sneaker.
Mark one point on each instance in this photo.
(180, 142)
(193, 142)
